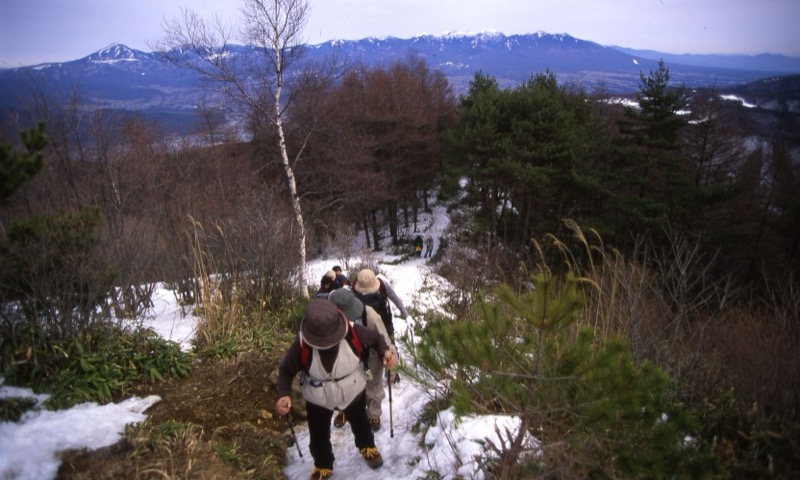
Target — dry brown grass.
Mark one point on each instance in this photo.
(733, 359)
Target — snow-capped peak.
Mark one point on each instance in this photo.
(114, 53)
(464, 33)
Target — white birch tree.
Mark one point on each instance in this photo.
(274, 29)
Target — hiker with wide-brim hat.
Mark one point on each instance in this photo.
(358, 313)
(377, 292)
(328, 349)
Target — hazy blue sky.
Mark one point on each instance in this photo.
(35, 31)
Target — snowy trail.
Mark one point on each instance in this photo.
(407, 402)
(401, 453)
(29, 448)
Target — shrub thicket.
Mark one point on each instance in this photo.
(707, 371)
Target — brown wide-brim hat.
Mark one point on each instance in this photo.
(367, 282)
(323, 325)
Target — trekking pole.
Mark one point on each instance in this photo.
(391, 423)
(294, 435)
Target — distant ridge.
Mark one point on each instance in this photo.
(763, 62)
(514, 58)
(119, 77)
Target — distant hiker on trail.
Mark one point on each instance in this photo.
(428, 247)
(328, 349)
(341, 279)
(358, 313)
(418, 246)
(325, 287)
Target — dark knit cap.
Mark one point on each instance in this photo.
(323, 325)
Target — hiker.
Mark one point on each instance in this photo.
(328, 349)
(376, 293)
(428, 247)
(358, 313)
(325, 287)
(418, 245)
(332, 275)
(341, 279)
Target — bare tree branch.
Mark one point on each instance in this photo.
(273, 28)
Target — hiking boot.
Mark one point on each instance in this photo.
(375, 424)
(338, 420)
(372, 456)
(321, 473)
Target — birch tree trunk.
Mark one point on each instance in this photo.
(275, 27)
(287, 166)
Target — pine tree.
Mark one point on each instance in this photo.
(475, 143)
(579, 395)
(54, 267)
(17, 167)
(651, 184)
(526, 151)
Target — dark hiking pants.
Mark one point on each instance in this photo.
(319, 429)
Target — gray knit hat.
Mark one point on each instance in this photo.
(347, 302)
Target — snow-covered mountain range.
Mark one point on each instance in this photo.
(119, 77)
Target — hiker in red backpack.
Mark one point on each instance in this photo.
(328, 349)
(358, 313)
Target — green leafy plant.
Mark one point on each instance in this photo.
(96, 366)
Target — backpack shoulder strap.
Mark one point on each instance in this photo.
(305, 353)
(354, 341)
(358, 348)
